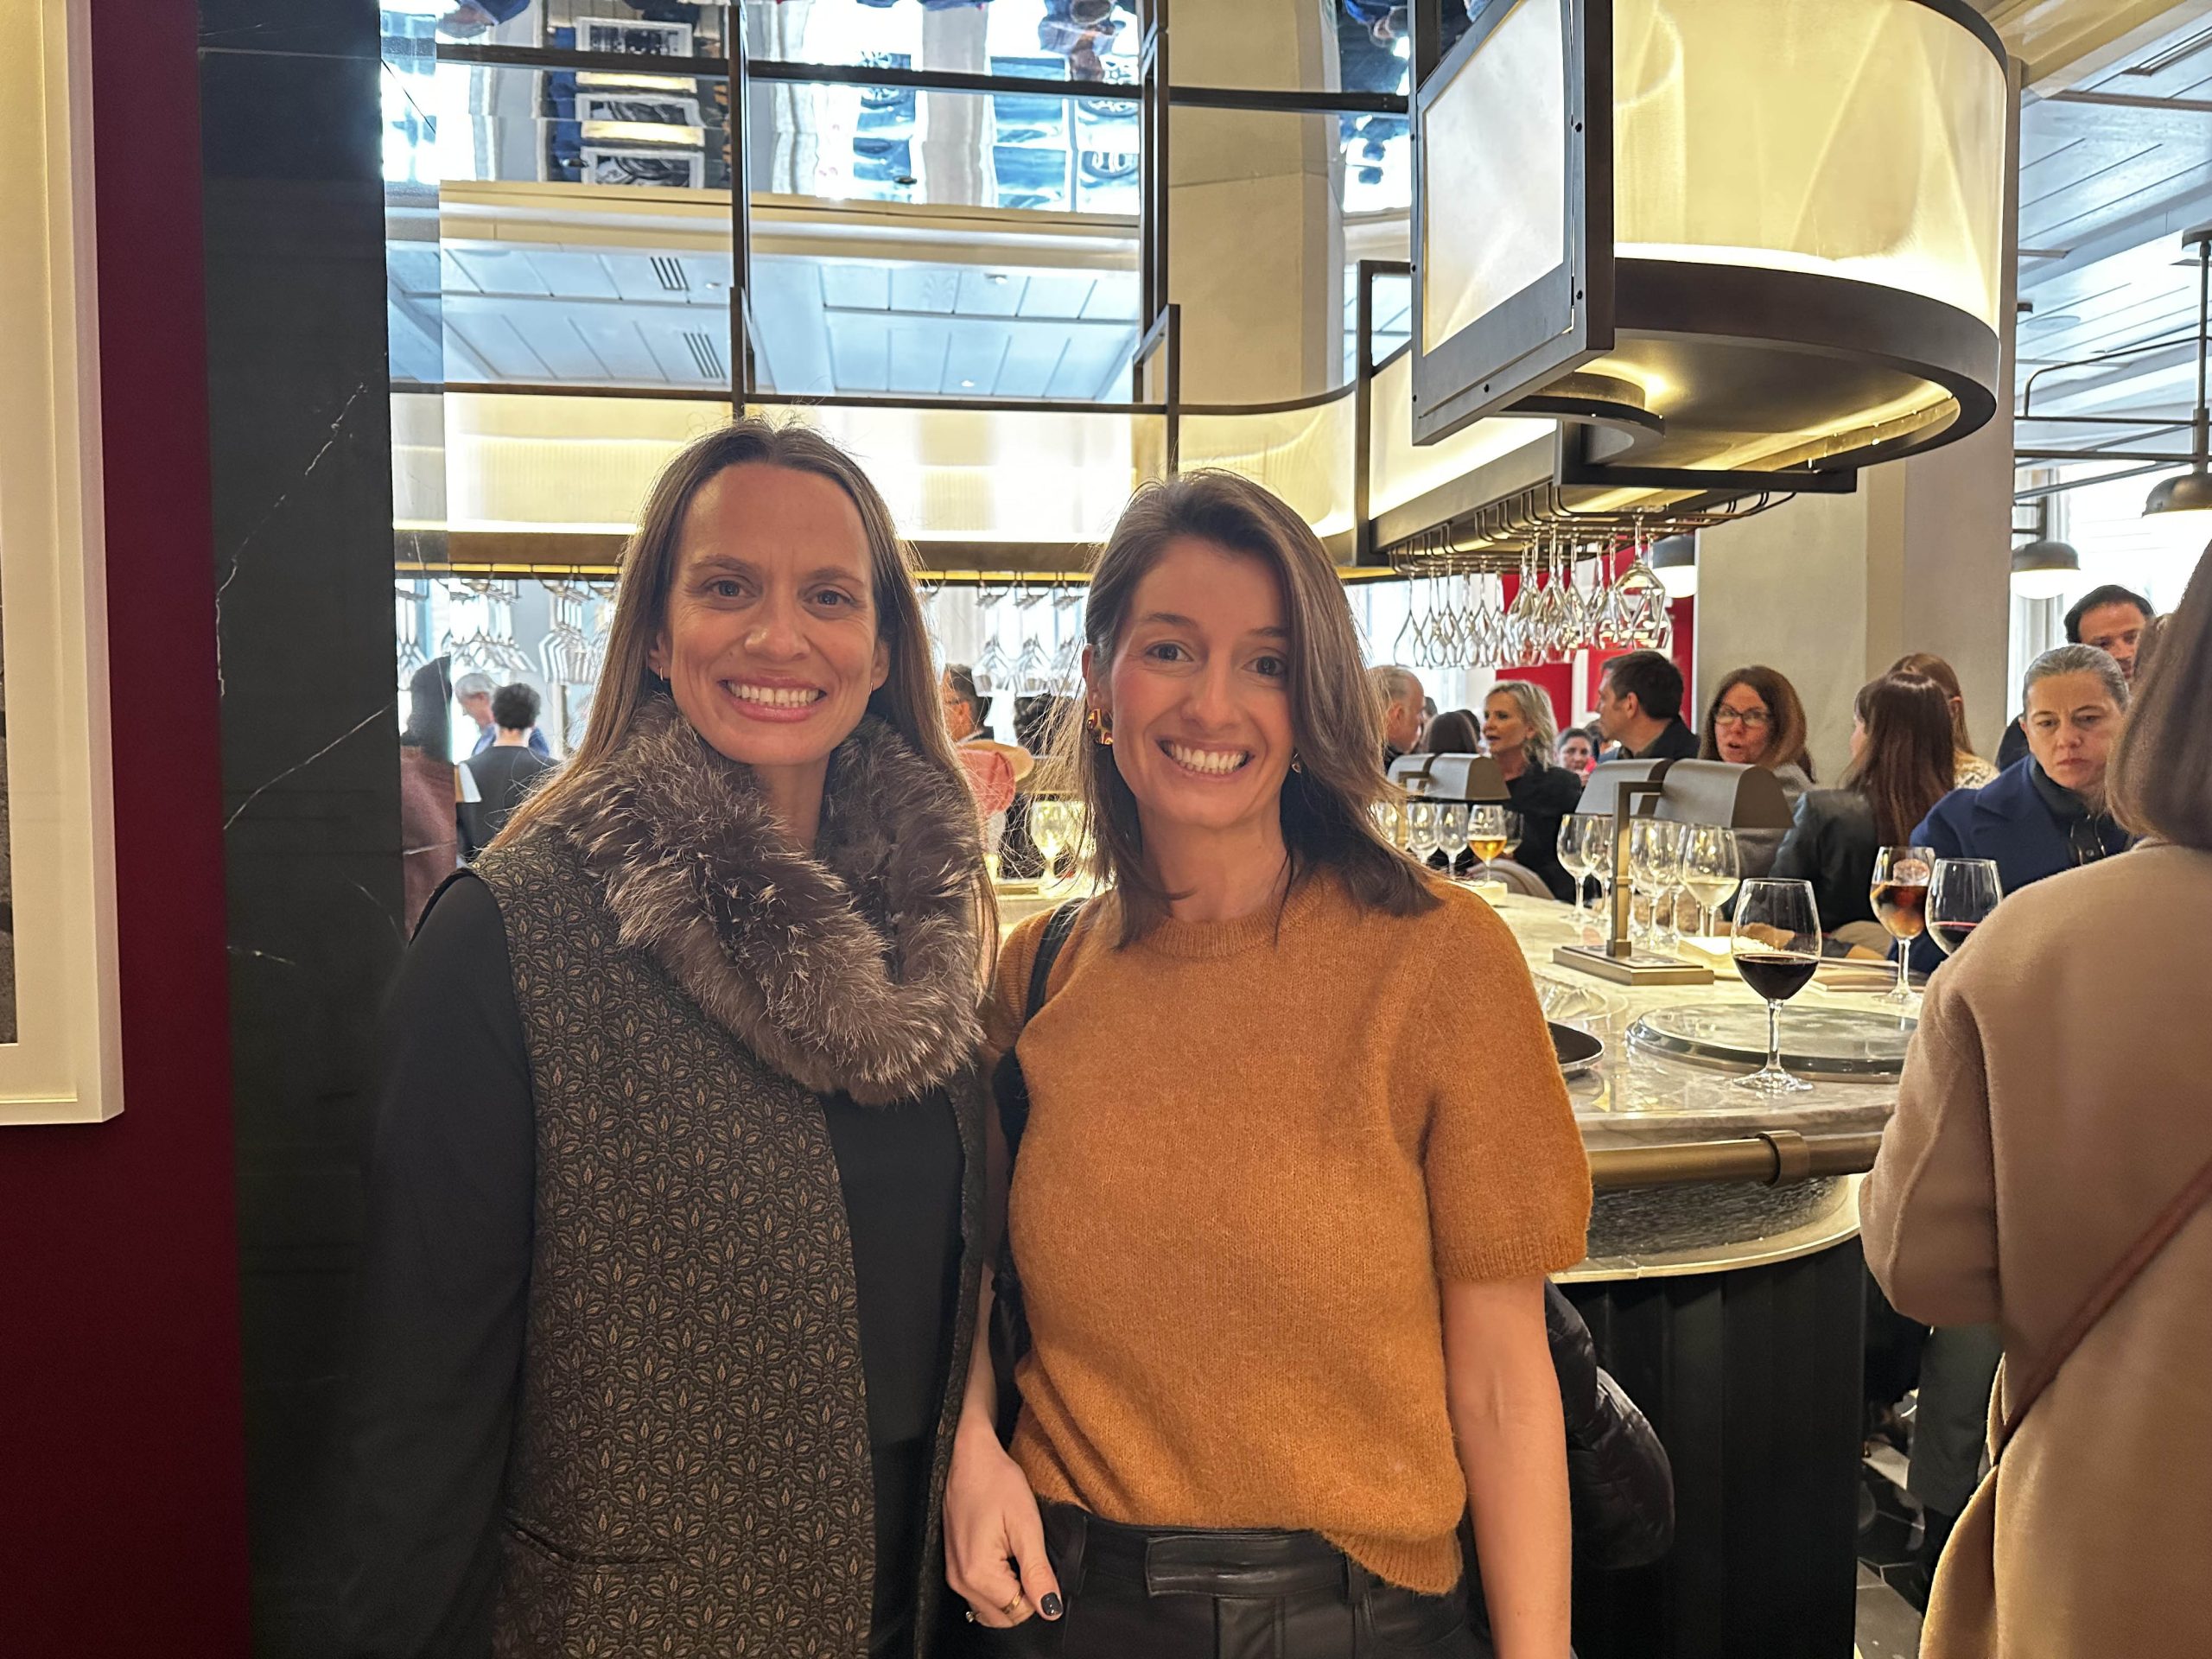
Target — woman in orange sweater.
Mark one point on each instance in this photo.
(1281, 1244)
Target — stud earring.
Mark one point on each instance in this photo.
(1101, 733)
(1296, 765)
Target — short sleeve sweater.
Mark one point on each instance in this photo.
(1252, 1155)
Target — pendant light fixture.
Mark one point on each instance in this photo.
(1675, 558)
(2192, 492)
(2044, 567)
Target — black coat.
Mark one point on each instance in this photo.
(1543, 796)
(1619, 1478)
(1832, 842)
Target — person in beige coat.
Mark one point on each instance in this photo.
(2057, 1100)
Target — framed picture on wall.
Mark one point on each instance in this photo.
(636, 38)
(640, 108)
(642, 165)
(61, 1027)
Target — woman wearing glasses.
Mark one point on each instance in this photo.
(1281, 1244)
(1756, 719)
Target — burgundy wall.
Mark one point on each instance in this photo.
(121, 1459)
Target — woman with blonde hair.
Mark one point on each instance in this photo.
(678, 1174)
(1280, 1243)
(1518, 727)
(2050, 1084)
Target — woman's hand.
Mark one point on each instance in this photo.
(993, 1536)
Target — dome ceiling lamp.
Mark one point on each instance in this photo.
(2192, 492)
(1675, 558)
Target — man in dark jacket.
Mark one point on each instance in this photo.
(1640, 708)
(505, 772)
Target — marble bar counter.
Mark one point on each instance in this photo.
(1636, 1096)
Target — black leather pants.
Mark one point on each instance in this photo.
(1137, 1592)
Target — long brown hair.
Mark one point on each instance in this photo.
(1335, 726)
(2160, 783)
(907, 700)
(1455, 731)
(1786, 735)
(1928, 662)
(1908, 762)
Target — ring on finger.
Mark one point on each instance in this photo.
(1010, 1608)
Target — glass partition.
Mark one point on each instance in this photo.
(1303, 454)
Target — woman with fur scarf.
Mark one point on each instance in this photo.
(675, 1199)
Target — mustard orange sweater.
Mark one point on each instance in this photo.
(1252, 1154)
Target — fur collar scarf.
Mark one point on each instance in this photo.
(852, 967)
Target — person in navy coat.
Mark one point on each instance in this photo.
(2045, 813)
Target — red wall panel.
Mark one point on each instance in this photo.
(121, 1463)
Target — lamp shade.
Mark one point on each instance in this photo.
(2044, 569)
(2189, 492)
(1675, 558)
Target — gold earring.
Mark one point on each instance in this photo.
(1099, 731)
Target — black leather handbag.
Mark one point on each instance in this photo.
(1009, 1330)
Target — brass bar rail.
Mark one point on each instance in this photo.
(1773, 1157)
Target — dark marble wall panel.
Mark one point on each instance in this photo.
(300, 440)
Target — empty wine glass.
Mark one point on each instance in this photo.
(1655, 855)
(1776, 947)
(1422, 829)
(1573, 853)
(1596, 835)
(1900, 895)
(1712, 864)
(1452, 832)
(1961, 892)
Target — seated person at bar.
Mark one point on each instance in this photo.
(1398, 690)
(2047, 813)
(1517, 725)
(1640, 708)
(1756, 719)
(1901, 765)
(505, 772)
(1577, 751)
(1453, 732)
(2112, 618)
(1972, 771)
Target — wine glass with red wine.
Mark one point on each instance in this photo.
(1776, 946)
(1961, 892)
(1900, 894)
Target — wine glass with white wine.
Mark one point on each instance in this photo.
(1712, 868)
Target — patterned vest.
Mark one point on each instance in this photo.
(690, 1469)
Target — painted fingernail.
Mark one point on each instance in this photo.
(1050, 1605)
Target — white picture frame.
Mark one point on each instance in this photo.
(644, 167)
(66, 1064)
(639, 109)
(633, 37)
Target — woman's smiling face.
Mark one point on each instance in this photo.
(1198, 690)
(770, 642)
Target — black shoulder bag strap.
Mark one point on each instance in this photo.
(1009, 1330)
